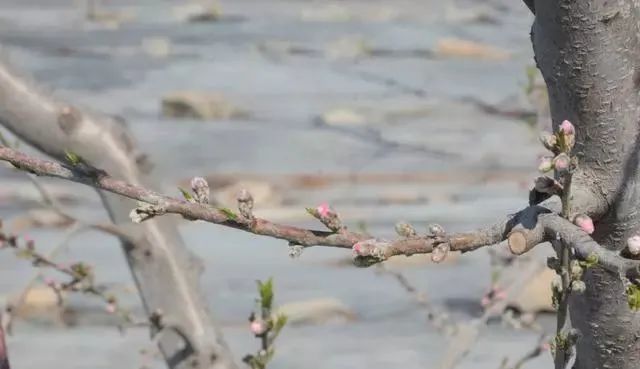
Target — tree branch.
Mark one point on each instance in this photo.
(55, 127)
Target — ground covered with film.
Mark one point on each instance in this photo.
(413, 110)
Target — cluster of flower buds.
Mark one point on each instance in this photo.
(245, 204)
(200, 188)
(576, 271)
(495, 294)
(328, 217)
(560, 144)
(441, 249)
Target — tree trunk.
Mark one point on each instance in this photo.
(588, 52)
(165, 272)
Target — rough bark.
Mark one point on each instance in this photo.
(166, 274)
(588, 52)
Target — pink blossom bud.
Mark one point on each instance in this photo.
(567, 128)
(584, 222)
(562, 162)
(258, 327)
(49, 282)
(545, 164)
(633, 244)
(323, 209)
(111, 308)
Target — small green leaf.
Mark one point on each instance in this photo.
(265, 289)
(228, 213)
(633, 297)
(591, 260)
(72, 158)
(312, 211)
(187, 196)
(281, 321)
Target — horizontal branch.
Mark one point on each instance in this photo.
(523, 230)
(79, 173)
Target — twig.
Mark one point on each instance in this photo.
(525, 229)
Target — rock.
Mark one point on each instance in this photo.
(156, 47)
(200, 105)
(341, 13)
(342, 117)
(535, 296)
(456, 48)
(39, 303)
(347, 48)
(264, 194)
(198, 12)
(329, 13)
(316, 311)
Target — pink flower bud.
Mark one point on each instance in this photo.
(562, 162)
(111, 308)
(545, 164)
(258, 327)
(584, 222)
(633, 244)
(567, 128)
(49, 282)
(323, 209)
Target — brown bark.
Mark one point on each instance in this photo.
(166, 274)
(588, 52)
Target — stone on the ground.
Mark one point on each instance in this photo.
(198, 12)
(342, 117)
(157, 47)
(347, 48)
(317, 311)
(457, 48)
(200, 105)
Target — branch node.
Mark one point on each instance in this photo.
(146, 211)
(369, 252)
